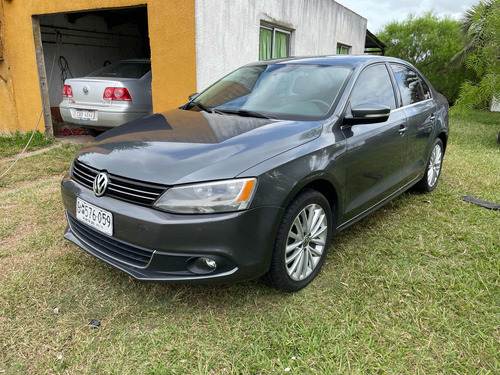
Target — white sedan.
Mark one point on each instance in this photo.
(111, 96)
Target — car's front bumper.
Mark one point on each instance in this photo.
(241, 243)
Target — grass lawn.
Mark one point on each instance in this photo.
(15, 142)
(414, 288)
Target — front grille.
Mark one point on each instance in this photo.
(119, 187)
(115, 249)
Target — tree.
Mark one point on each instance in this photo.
(429, 43)
(480, 26)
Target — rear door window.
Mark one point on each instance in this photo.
(413, 89)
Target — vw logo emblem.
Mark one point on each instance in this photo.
(86, 90)
(100, 184)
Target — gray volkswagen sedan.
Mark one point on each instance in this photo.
(253, 176)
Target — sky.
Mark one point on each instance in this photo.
(381, 12)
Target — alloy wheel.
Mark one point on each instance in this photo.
(306, 242)
(434, 167)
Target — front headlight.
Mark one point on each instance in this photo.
(209, 197)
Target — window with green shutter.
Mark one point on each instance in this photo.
(274, 43)
(343, 49)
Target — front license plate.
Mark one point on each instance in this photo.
(82, 114)
(95, 217)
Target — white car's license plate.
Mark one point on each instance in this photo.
(85, 114)
(95, 217)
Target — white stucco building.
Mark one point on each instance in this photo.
(231, 33)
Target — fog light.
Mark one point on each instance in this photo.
(201, 265)
(206, 264)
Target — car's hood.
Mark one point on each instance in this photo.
(181, 146)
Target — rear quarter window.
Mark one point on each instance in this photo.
(427, 91)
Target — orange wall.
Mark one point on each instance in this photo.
(173, 54)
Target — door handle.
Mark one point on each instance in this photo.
(433, 117)
(402, 129)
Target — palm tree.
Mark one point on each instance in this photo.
(481, 54)
(473, 27)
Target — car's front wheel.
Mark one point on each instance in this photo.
(301, 243)
(433, 170)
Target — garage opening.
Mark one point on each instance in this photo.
(72, 45)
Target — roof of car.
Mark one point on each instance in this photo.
(343, 60)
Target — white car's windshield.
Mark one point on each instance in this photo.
(288, 91)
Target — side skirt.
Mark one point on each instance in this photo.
(376, 206)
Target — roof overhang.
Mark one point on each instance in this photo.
(373, 45)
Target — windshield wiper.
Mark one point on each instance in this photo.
(208, 109)
(245, 113)
(204, 107)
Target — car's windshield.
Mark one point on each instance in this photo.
(123, 69)
(285, 91)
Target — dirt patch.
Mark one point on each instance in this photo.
(30, 153)
(28, 185)
(75, 139)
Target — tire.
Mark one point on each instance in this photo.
(294, 269)
(433, 169)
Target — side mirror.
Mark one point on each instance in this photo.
(192, 96)
(368, 113)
